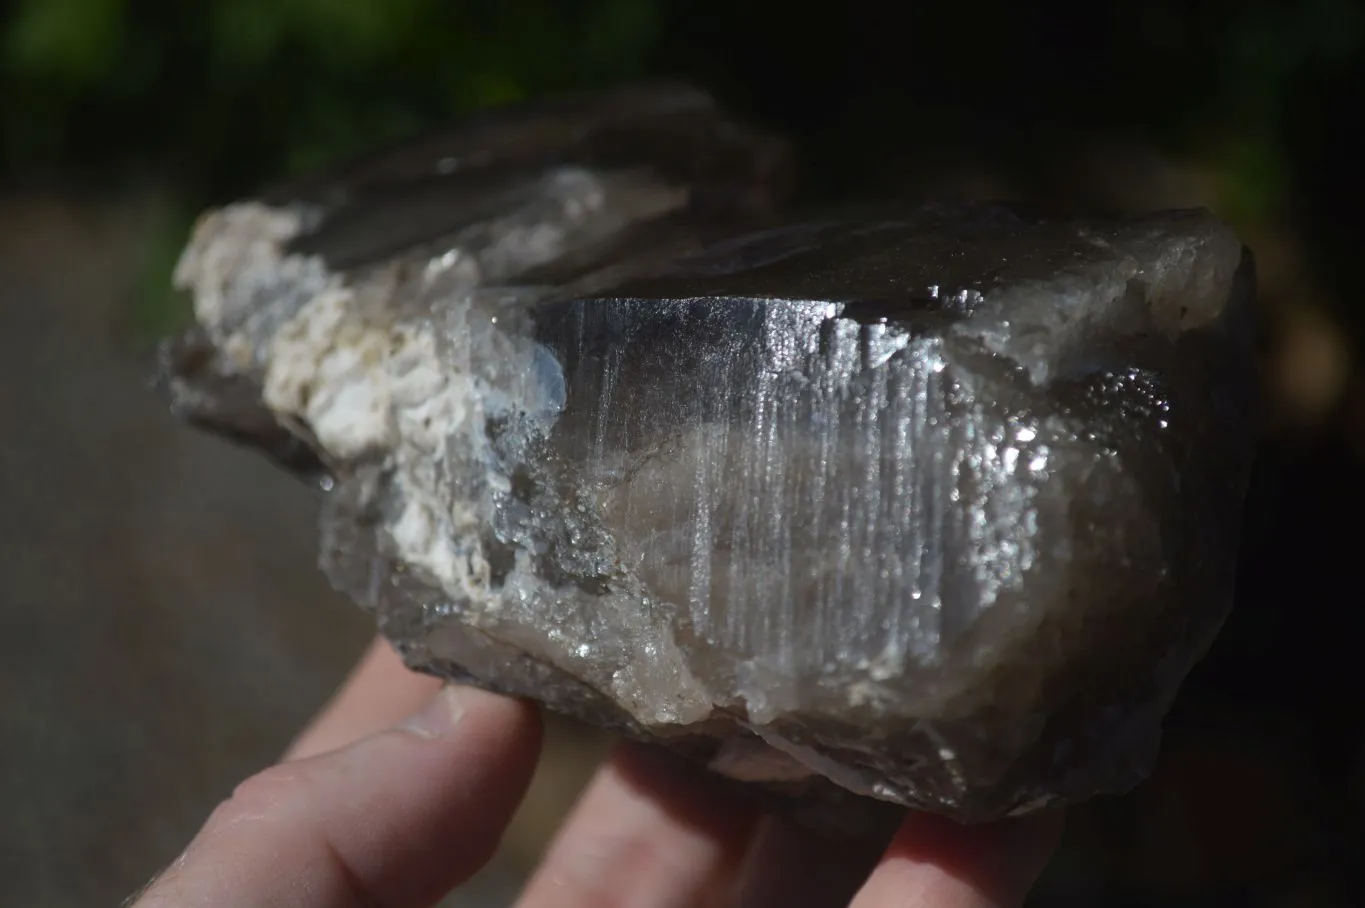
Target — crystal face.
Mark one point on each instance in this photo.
(937, 505)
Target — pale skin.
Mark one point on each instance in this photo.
(400, 790)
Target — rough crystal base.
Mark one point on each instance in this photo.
(936, 506)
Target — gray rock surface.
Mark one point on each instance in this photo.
(936, 506)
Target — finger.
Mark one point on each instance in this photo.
(790, 866)
(380, 691)
(395, 820)
(934, 861)
(650, 833)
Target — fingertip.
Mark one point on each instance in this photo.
(397, 818)
(651, 830)
(935, 861)
(380, 690)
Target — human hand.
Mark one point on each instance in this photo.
(365, 812)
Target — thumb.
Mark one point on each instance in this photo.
(396, 819)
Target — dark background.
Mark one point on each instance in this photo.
(162, 630)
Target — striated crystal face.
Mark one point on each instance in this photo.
(936, 505)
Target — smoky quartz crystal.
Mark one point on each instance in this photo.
(936, 505)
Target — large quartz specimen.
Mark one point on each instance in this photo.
(936, 505)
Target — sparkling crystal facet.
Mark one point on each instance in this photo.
(937, 505)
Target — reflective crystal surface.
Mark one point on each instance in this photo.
(936, 505)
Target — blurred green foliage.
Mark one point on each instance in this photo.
(213, 93)
(210, 98)
(1266, 51)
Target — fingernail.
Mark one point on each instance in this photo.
(439, 716)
